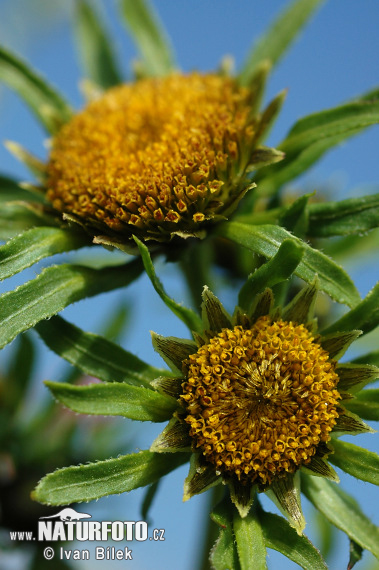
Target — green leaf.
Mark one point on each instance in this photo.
(26, 249)
(266, 239)
(224, 555)
(94, 355)
(365, 404)
(36, 166)
(10, 191)
(115, 399)
(58, 287)
(312, 136)
(342, 511)
(250, 542)
(370, 358)
(48, 106)
(149, 36)
(19, 373)
(16, 217)
(148, 499)
(295, 217)
(356, 461)
(356, 552)
(364, 316)
(278, 269)
(188, 316)
(344, 218)
(95, 47)
(94, 480)
(279, 37)
(280, 536)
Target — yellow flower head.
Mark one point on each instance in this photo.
(260, 400)
(157, 158)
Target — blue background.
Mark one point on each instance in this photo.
(333, 60)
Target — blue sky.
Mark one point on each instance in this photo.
(334, 59)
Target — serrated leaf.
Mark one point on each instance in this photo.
(95, 355)
(115, 399)
(188, 316)
(280, 536)
(58, 286)
(33, 245)
(224, 554)
(95, 47)
(312, 136)
(364, 316)
(344, 218)
(266, 239)
(17, 216)
(48, 106)
(149, 36)
(342, 511)
(112, 476)
(279, 37)
(250, 541)
(365, 404)
(356, 461)
(274, 271)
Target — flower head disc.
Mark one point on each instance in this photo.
(259, 401)
(156, 158)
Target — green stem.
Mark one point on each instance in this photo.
(195, 264)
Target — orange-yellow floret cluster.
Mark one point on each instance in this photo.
(157, 156)
(259, 401)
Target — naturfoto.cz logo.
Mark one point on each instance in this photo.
(69, 525)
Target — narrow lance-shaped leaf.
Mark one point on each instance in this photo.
(279, 36)
(19, 373)
(18, 216)
(115, 399)
(343, 218)
(312, 136)
(342, 511)
(95, 355)
(94, 480)
(224, 554)
(266, 239)
(280, 536)
(95, 47)
(188, 316)
(58, 286)
(356, 461)
(250, 541)
(370, 358)
(10, 190)
(365, 404)
(278, 269)
(34, 164)
(33, 245)
(149, 36)
(365, 316)
(49, 107)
